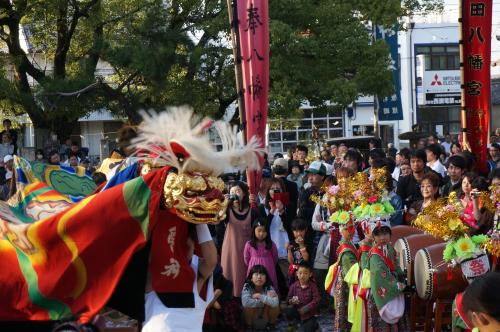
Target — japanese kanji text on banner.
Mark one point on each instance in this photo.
(253, 29)
(476, 46)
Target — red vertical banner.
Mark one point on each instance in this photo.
(476, 47)
(253, 27)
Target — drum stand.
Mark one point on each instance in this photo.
(440, 308)
(419, 317)
(443, 306)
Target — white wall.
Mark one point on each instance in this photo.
(92, 133)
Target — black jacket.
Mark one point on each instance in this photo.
(306, 210)
(409, 189)
(292, 190)
(448, 187)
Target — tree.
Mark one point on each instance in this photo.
(322, 50)
(176, 52)
(159, 53)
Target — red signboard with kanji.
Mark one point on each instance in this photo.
(476, 39)
(253, 27)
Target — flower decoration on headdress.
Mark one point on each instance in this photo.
(357, 198)
(340, 217)
(492, 244)
(374, 203)
(445, 219)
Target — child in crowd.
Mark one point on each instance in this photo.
(296, 176)
(304, 298)
(480, 302)
(260, 250)
(386, 303)
(335, 285)
(297, 250)
(259, 299)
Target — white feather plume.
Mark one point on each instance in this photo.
(234, 154)
(180, 125)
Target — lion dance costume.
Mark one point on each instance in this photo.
(97, 252)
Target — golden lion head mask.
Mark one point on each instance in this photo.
(196, 197)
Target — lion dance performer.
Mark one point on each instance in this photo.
(100, 250)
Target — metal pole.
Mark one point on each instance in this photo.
(235, 41)
(463, 112)
(376, 131)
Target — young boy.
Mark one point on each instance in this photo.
(386, 304)
(304, 298)
(298, 253)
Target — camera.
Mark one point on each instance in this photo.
(475, 194)
(233, 197)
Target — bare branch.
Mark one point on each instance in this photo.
(99, 83)
(79, 92)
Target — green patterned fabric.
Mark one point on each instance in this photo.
(74, 182)
(347, 259)
(383, 281)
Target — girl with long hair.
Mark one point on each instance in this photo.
(259, 299)
(260, 250)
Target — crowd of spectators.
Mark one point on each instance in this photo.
(276, 246)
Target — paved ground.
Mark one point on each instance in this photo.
(325, 320)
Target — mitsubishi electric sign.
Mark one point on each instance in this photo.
(441, 87)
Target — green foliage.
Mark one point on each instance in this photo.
(126, 55)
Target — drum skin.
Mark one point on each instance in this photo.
(432, 285)
(407, 248)
(400, 231)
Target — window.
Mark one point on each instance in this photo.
(335, 112)
(282, 138)
(320, 123)
(362, 130)
(454, 114)
(305, 124)
(274, 136)
(423, 50)
(335, 123)
(443, 62)
(304, 135)
(275, 148)
(440, 57)
(335, 133)
(428, 63)
(289, 136)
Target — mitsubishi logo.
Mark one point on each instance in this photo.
(436, 80)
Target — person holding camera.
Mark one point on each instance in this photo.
(475, 215)
(274, 210)
(238, 230)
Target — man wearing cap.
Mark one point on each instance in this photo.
(280, 170)
(316, 174)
